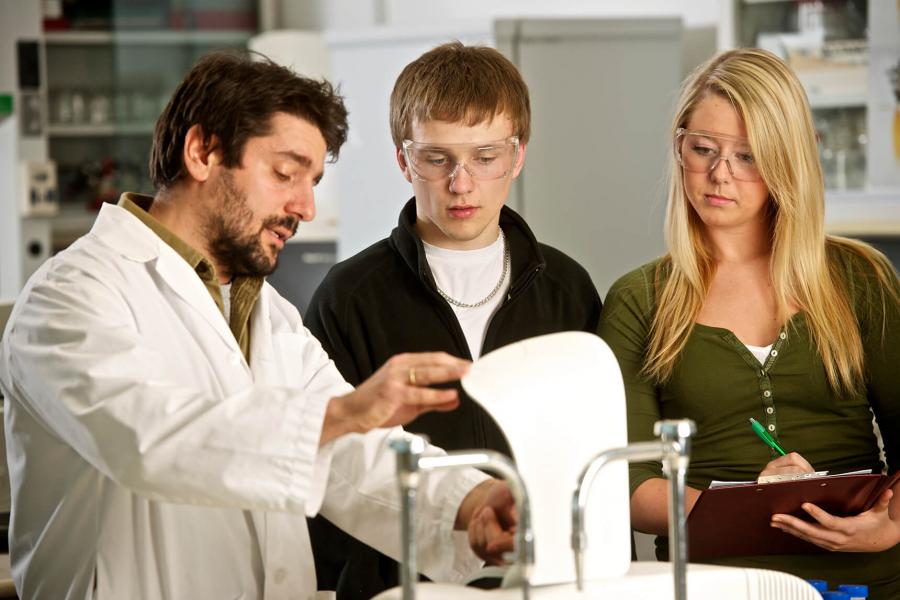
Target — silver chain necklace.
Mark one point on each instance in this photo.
(494, 291)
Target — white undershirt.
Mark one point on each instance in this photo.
(760, 352)
(226, 301)
(468, 276)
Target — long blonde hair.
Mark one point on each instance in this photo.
(776, 114)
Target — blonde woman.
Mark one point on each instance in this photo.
(755, 312)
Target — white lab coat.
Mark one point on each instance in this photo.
(149, 460)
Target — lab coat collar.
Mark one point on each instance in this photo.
(124, 233)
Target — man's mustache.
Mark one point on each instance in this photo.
(286, 222)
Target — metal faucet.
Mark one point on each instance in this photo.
(673, 448)
(410, 463)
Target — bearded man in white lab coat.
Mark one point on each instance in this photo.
(170, 422)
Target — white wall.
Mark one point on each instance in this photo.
(10, 248)
(342, 14)
(694, 13)
(18, 20)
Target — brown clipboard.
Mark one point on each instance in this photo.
(734, 520)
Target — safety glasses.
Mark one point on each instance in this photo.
(701, 152)
(483, 161)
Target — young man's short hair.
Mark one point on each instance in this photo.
(458, 83)
(233, 98)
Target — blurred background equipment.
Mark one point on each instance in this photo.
(83, 81)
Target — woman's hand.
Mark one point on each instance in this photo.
(871, 531)
(786, 465)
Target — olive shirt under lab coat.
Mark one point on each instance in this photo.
(719, 384)
(148, 459)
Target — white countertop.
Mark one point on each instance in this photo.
(863, 213)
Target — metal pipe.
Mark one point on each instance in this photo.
(409, 449)
(677, 435)
(410, 462)
(633, 452)
(674, 450)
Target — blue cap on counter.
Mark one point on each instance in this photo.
(820, 584)
(835, 596)
(855, 591)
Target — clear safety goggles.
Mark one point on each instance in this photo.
(701, 152)
(484, 161)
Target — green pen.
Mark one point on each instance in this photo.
(764, 436)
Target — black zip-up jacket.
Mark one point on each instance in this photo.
(384, 301)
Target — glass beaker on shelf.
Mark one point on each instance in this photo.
(100, 109)
(62, 107)
(842, 146)
(79, 108)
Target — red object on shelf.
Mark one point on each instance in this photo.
(56, 24)
(221, 20)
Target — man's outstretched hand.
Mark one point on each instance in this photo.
(488, 513)
(395, 394)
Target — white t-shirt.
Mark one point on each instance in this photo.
(468, 276)
(760, 352)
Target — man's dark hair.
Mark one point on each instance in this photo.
(233, 98)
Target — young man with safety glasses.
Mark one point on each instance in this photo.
(461, 272)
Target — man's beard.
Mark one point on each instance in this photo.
(232, 242)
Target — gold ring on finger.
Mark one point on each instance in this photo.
(412, 376)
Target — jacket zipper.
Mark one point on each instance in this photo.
(514, 292)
